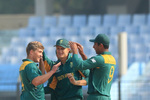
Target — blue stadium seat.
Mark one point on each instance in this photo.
(86, 31)
(79, 20)
(71, 31)
(26, 32)
(109, 20)
(102, 29)
(64, 20)
(40, 32)
(131, 29)
(56, 31)
(139, 19)
(94, 20)
(124, 20)
(35, 21)
(114, 30)
(144, 29)
(49, 21)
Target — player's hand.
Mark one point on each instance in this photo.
(55, 67)
(71, 78)
(73, 47)
(80, 48)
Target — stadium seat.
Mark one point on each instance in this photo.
(56, 31)
(26, 32)
(86, 31)
(102, 29)
(64, 20)
(94, 20)
(131, 29)
(41, 32)
(35, 21)
(139, 19)
(109, 20)
(71, 31)
(144, 29)
(115, 30)
(124, 20)
(49, 21)
(79, 20)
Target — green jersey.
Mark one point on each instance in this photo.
(102, 68)
(28, 71)
(64, 90)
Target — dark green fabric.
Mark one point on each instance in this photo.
(97, 97)
(100, 72)
(62, 42)
(64, 89)
(29, 91)
(101, 38)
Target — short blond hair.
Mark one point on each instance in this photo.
(34, 45)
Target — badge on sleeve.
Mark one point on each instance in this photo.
(93, 60)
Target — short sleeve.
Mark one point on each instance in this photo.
(32, 71)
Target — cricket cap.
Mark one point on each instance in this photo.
(63, 43)
(101, 38)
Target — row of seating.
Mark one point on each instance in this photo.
(89, 20)
(138, 47)
(82, 31)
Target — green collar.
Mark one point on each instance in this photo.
(108, 53)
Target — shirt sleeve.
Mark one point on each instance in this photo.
(32, 71)
(90, 63)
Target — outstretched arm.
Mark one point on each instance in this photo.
(42, 79)
(76, 82)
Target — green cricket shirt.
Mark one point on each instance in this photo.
(102, 69)
(28, 71)
(64, 90)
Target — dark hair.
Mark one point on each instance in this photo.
(105, 46)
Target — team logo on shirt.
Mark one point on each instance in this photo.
(71, 64)
(93, 60)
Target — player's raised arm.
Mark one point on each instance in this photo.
(81, 52)
(41, 65)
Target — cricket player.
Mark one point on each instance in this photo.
(59, 83)
(102, 67)
(31, 77)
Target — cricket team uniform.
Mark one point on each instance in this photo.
(59, 84)
(28, 71)
(102, 69)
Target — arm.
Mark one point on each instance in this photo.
(79, 64)
(80, 49)
(41, 66)
(42, 79)
(76, 82)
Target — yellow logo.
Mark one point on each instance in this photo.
(61, 41)
(71, 64)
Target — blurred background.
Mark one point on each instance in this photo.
(22, 21)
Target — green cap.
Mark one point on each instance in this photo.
(101, 38)
(63, 43)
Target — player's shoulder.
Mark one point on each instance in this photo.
(30, 66)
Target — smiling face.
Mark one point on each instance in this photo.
(34, 51)
(36, 55)
(62, 53)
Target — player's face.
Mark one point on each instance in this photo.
(62, 52)
(97, 48)
(37, 54)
